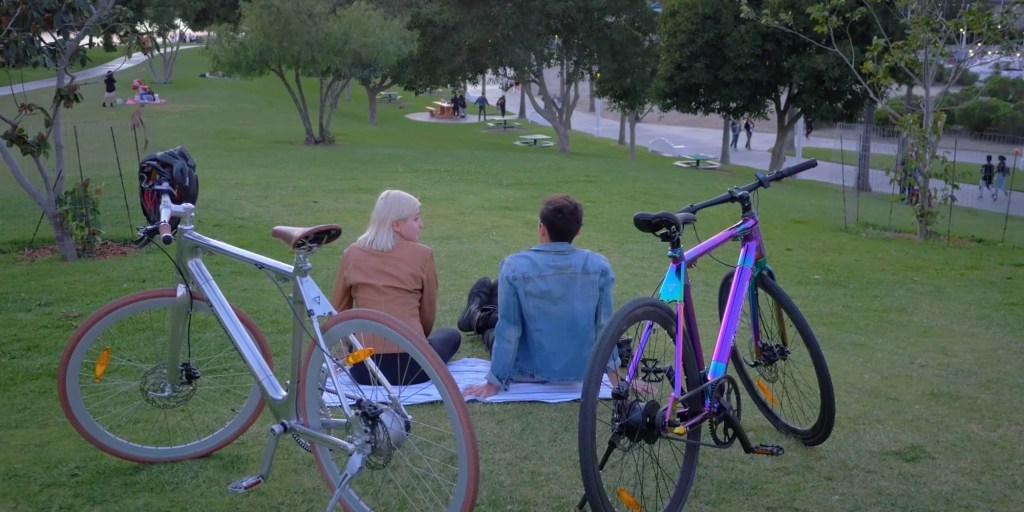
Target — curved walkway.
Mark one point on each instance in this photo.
(709, 141)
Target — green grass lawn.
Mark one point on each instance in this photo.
(924, 340)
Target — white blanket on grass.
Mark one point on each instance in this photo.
(467, 372)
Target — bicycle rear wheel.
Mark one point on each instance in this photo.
(421, 455)
(629, 459)
(787, 376)
(110, 371)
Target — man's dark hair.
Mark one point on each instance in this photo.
(563, 216)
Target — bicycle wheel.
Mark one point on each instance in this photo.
(629, 458)
(786, 377)
(119, 410)
(420, 455)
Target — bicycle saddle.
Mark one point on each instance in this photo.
(655, 223)
(307, 238)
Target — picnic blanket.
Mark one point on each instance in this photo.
(467, 372)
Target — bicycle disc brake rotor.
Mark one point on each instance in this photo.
(154, 392)
(386, 431)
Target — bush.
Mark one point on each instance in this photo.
(967, 78)
(1004, 88)
(896, 104)
(980, 114)
(79, 209)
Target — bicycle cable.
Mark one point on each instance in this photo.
(710, 254)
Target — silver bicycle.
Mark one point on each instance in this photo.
(156, 377)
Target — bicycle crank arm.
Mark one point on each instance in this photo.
(741, 435)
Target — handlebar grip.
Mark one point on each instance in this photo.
(798, 168)
(165, 233)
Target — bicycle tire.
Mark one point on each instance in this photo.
(600, 423)
(777, 380)
(117, 413)
(439, 444)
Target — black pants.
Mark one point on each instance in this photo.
(400, 369)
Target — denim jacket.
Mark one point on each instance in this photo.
(553, 301)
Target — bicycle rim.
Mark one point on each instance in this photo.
(111, 366)
(429, 462)
(646, 468)
(787, 377)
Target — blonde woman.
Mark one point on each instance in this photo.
(388, 270)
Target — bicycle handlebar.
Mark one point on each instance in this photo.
(763, 181)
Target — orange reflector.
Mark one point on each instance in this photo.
(627, 499)
(101, 364)
(358, 356)
(766, 392)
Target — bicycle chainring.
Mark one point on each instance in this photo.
(726, 400)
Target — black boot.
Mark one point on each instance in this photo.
(477, 298)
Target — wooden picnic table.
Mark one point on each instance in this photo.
(444, 110)
(389, 96)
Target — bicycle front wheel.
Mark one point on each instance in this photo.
(786, 374)
(417, 442)
(112, 372)
(629, 457)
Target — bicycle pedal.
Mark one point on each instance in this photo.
(245, 484)
(768, 449)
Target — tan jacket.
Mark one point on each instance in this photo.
(401, 282)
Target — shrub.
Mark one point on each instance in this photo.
(1004, 88)
(79, 209)
(981, 114)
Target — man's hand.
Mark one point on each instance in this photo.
(481, 390)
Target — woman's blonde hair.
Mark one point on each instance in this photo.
(392, 205)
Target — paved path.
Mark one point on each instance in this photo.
(709, 141)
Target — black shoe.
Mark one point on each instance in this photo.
(476, 299)
(625, 350)
(104, 104)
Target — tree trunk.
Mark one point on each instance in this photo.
(633, 118)
(864, 159)
(726, 139)
(590, 89)
(522, 100)
(372, 101)
(563, 138)
(622, 129)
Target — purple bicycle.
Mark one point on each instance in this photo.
(638, 450)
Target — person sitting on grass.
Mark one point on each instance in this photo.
(540, 319)
(388, 270)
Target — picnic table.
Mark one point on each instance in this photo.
(389, 96)
(504, 123)
(536, 140)
(444, 110)
(698, 161)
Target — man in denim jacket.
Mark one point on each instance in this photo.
(540, 319)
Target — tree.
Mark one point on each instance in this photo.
(156, 31)
(628, 61)
(933, 33)
(377, 46)
(47, 33)
(765, 70)
(291, 39)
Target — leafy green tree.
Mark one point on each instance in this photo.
(291, 40)
(932, 33)
(628, 61)
(378, 44)
(45, 33)
(764, 70)
(155, 31)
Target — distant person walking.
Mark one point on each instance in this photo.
(808, 128)
(110, 96)
(1001, 172)
(481, 102)
(462, 106)
(987, 172)
(501, 105)
(734, 127)
(748, 126)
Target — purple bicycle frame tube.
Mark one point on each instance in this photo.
(744, 268)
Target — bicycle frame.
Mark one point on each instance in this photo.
(676, 288)
(306, 296)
